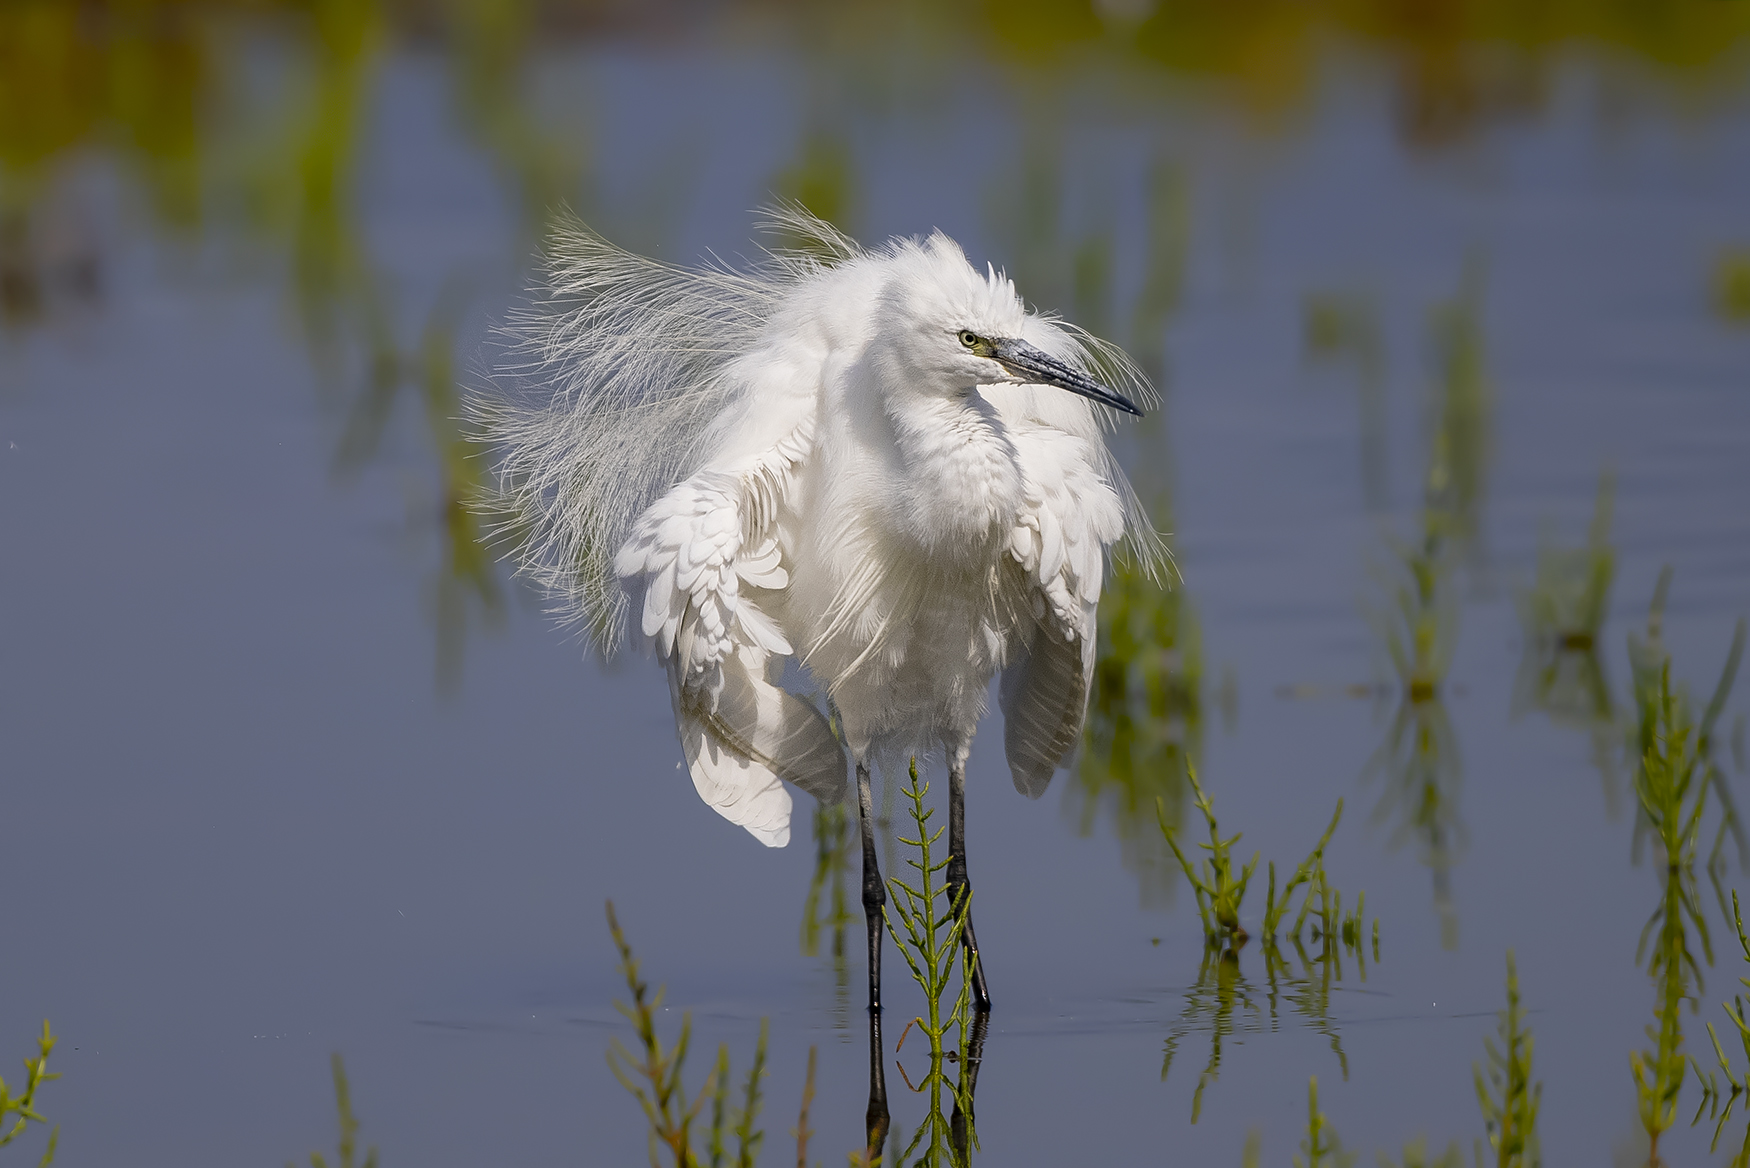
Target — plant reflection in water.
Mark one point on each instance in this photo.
(826, 907)
(1221, 1000)
(1561, 620)
(1343, 328)
(1145, 714)
(1145, 723)
(1223, 1003)
(1418, 762)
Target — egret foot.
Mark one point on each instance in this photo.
(961, 1122)
(876, 1120)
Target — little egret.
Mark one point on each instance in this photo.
(874, 463)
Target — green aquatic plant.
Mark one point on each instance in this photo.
(346, 1153)
(1333, 929)
(1674, 775)
(1320, 1148)
(1506, 1092)
(654, 1077)
(1739, 1083)
(19, 1111)
(1219, 891)
(1664, 712)
(930, 943)
(1672, 789)
(1310, 870)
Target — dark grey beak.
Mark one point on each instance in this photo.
(1038, 368)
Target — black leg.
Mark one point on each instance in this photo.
(876, 1121)
(874, 901)
(957, 882)
(874, 891)
(962, 1120)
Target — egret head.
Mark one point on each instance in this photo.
(943, 329)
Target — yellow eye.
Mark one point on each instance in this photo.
(969, 338)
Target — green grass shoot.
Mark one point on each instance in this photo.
(1311, 869)
(346, 1152)
(930, 944)
(1739, 1082)
(1506, 1092)
(1219, 891)
(19, 1111)
(654, 1078)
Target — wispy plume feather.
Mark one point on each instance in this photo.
(614, 380)
(619, 371)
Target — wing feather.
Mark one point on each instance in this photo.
(1070, 517)
(702, 554)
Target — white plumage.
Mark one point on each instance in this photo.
(863, 461)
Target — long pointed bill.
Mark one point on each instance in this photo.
(1040, 368)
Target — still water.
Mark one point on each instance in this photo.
(291, 767)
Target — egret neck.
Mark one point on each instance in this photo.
(960, 489)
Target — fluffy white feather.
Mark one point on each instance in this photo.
(821, 457)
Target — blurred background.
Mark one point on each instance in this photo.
(1449, 305)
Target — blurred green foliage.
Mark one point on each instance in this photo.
(1417, 618)
(1732, 285)
(1343, 328)
(1561, 619)
(1145, 722)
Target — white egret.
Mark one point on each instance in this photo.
(875, 463)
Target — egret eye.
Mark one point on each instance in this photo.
(969, 338)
